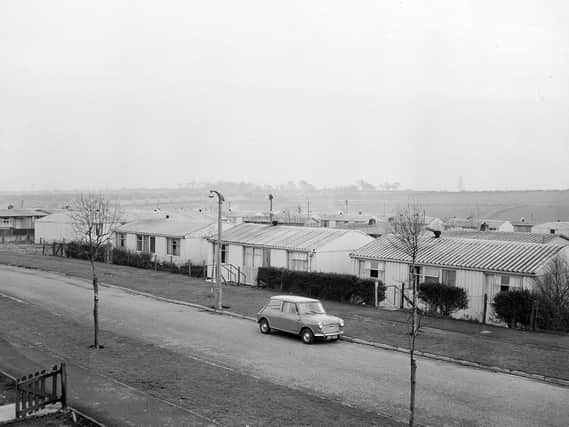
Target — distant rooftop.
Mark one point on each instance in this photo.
(511, 236)
(10, 213)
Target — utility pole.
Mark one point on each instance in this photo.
(220, 200)
(270, 208)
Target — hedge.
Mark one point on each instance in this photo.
(443, 299)
(336, 287)
(132, 259)
(514, 307)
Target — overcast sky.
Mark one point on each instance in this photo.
(158, 93)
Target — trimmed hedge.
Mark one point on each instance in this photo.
(514, 307)
(132, 259)
(336, 287)
(443, 299)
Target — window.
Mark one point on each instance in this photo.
(431, 275)
(121, 240)
(253, 257)
(275, 304)
(552, 231)
(371, 270)
(173, 247)
(289, 307)
(504, 288)
(505, 280)
(449, 277)
(224, 254)
(298, 261)
(145, 243)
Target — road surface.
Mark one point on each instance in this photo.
(360, 376)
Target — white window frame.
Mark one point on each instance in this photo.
(121, 240)
(173, 246)
(448, 270)
(297, 260)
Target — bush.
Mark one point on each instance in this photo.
(514, 307)
(550, 315)
(81, 251)
(444, 299)
(336, 287)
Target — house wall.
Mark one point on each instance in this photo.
(334, 257)
(279, 258)
(506, 227)
(49, 232)
(559, 228)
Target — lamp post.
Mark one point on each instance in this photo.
(270, 208)
(220, 200)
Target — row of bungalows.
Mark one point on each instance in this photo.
(246, 247)
(481, 263)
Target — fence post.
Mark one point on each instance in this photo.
(375, 286)
(63, 385)
(238, 276)
(485, 309)
(190, 268)
(53, 249)
(155, 262)
(204, 269)
(402, 295)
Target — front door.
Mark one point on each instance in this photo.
(252, 260)
(266, 257)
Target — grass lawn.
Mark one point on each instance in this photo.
(532, 352)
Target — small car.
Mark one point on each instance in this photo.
(300, 316)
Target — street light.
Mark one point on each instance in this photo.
(220, 200)
(270, 208)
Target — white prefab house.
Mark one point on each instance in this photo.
(176, 240)
(482, 267)
(56, 227)
(246, 247)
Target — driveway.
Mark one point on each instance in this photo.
(367, 378)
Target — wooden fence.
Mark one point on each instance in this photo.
(35, 391)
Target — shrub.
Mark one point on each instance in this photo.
(81, 251)
(514, 307)
(444, 299)
(336, 287)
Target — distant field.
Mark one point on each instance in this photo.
(535, 206)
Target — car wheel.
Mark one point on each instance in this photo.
(307, 336)
(264, 327)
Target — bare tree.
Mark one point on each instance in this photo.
(407, 226)
(553, 288)
(94, 220)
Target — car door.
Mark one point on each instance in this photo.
(290, 318)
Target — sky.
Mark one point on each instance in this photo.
(115, 94)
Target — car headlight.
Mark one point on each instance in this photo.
(341, 323)
(320, 325)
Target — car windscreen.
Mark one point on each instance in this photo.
(310, 308)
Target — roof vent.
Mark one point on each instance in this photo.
(437, 233)
(167, 216)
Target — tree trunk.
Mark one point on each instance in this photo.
(412, 349)
(412, 397)
(95, 305)
(95, 312)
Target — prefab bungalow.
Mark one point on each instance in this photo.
(56, 227)
(482, 267)
(246, 247)
(177, 240)
(557, 227)
(512, 236)
(18, 224)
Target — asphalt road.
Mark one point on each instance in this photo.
(357, 375)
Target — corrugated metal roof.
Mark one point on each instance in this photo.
(173, 227)
(281, 236)
(470, 254)
(511, 236)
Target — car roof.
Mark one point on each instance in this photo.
(293, 298)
